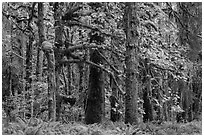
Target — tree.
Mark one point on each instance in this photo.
(58, 45)
(49, 52)
(131, 62)
(147, 93)
(41, 32)
(94, 112)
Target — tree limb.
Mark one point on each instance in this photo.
(73, 47)
(111, 66)
(18, 55)
(97, 66)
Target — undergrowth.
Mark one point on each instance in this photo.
(38, 127)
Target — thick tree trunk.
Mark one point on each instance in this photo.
(131, 63)
(95, 99)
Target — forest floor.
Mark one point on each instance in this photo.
(38, 127)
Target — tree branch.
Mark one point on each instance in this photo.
(73, 47)
(97, 66)
(17, 21)
(158, 67)
(111, 66)
(18, 55)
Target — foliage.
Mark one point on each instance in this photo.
(38, 127)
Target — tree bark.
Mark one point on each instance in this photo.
(81, 77)
(58, 56)
(51, 85)
(131, 62)
(147, 93)
(41, 32)
(29, 62)
(23, 42)
(161, 109)
(95, 99)
(147, 105)
(114, 114)
(167, 104)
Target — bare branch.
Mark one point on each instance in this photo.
(18, 55)
(97, 66)
(111, 66)
(73, 47)
(159, 67)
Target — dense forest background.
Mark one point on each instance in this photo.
(101, 68)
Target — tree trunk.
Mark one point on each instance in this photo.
(114, 113)
(23, 42)
(147, 94)
(51, 85)
(161, 109)
(29, 62)
(95, 99)
(65, 80)
(147, 105)
(58, 56)
(167, 104)
(81, 78)
(41, 32)
(131, 62)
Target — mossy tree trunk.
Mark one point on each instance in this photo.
(131, 62)
(23, 42)
(51, 86)
(41, 32)
(58, 56)
(29, 53)
(147, 94)
(114, 113)
(49, 53)
(166, 104)
(147, 105)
